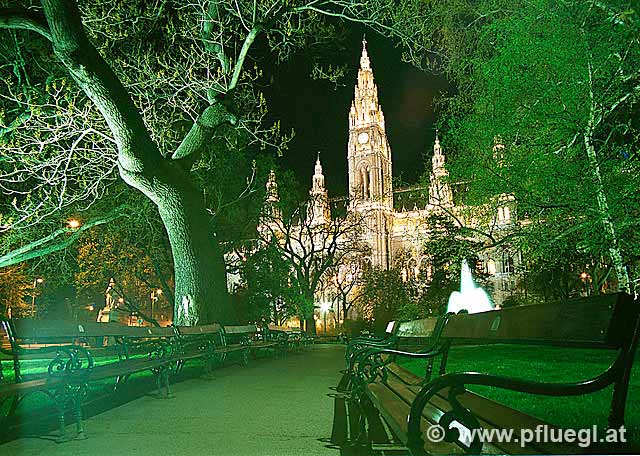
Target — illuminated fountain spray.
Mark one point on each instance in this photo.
(470, 297)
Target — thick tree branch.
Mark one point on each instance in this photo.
(248, 41)
(202, 131)
(24, 20)
(52, 243)
(136, 150)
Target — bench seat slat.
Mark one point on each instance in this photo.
(125, 367)
(493, 415)
(12, 389)
(395, 412)
(232, 348)
(264, 344)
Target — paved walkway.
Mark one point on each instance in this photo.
(273, 407)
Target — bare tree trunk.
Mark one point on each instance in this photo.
(603, 205)
(200, 274)
(311, 325)
(603, 208)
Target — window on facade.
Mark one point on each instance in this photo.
(508, 264)
(491, 267)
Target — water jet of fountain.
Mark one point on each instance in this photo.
(471, 298)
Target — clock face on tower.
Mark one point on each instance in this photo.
(363, 137)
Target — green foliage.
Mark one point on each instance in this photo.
(266, 279)
(385, 296)
(15, 288)
(134, 252)
(545, 111)
(449, 245)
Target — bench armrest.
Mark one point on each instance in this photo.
(371, 365)
(69, 359)
(367, 352)
(457, 382)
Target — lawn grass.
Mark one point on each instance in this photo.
(546, 364)
(40, 404)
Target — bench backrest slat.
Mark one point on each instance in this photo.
(273, 327)
(244, 329)
(417, 328)
(213, 328)
(55, 329)
(598, 321)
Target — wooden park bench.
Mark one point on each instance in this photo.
(249, 339)
(413, 335)
(304, 339)
(416, 335)
(410, 405)
(205, 342)
(287, 338)
(369, 340)
(65, 356)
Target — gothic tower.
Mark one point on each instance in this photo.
(319, 212)
(440, 194)
(369, 157)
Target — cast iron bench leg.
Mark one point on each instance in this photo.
(165, 376)
(60, 398)
(77, 409)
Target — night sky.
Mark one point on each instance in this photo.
(318, 111)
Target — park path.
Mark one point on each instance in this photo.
(272, 407)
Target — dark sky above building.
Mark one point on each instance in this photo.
(318, 111)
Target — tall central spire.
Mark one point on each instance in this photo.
(365, 63)
(369, 157)
(365, 110)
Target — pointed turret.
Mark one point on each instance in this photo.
(318, 178)
(439, 190)
(368, 152)
(319, 212)
(271, 209)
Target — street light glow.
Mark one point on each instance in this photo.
(73, 223)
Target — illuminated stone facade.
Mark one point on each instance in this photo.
(395, 233)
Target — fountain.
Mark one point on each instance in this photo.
(471, 298)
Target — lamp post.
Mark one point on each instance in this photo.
(33, 296)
